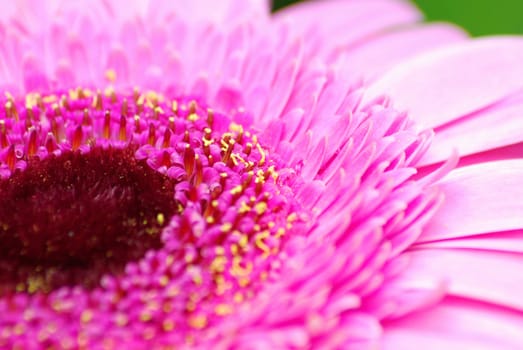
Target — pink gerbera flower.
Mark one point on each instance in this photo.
(199, 174)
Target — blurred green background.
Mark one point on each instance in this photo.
(479, 17)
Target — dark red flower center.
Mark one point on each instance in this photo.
(69, 219)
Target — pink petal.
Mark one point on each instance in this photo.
(379, 54)
(221, 11)
(483, 275)
(479, 198)
(493, 127)
(456, 324)
(449, 83)
(338, 23)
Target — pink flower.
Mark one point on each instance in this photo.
(201, 174)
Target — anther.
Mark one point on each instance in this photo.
(166, 138)
(166, 159)
(56, 110)
(78, 136)
(192, 107)
(172, 125)
(247, 149)
(29, 117)
(198, 176)
(174, 107)
(31, 144)
(137, 127)
(188, 160)
(98, 101)
(122, 135)
(11, 157)
(50, 143)
(156, 112)
(65, 102)
(239, 137)
(228, 152)
(4, 142)
(107, 124)
(210, 117)
(151, 138)
(136, 94)
(125, 107)
(81, 94)
(86, 121)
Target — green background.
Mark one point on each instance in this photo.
(479, 17)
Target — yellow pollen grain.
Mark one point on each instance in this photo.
(218, 264)
(292, 217)
(219, 250)
(226, 227)
(244, 241)
(110, 75)
(160, 218)
(87, 316)
(197, 279)
(198, 321)
(34, 284)
(164, 280)
(234, 127)
(193, 117)
(210, 219)
(223, 309)
(145, 317)
(238, 269)
(238, 297)
(168, 325)
(237, 190)
(244, 281)
(244, 208)
(280, 232)
(207, 143)
(260, 208)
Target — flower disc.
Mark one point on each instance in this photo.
(132, 210)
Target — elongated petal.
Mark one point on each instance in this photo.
(379, 54)
(457, 324)
(443, 85)
(348, 21)
(480, 198)
(483, 275)
(497, 126)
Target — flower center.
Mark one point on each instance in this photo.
(150, 205)
(69, 219)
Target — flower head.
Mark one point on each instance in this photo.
(201, 175)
